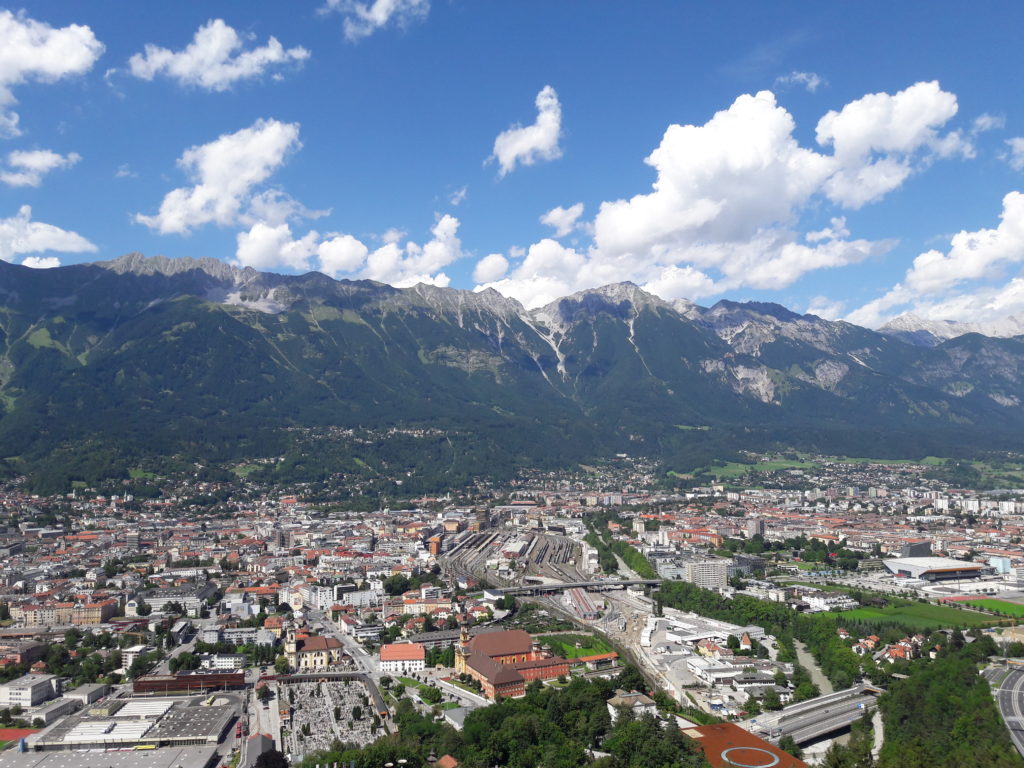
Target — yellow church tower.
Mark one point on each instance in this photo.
(462, 651)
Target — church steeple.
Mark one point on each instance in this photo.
(462, 650)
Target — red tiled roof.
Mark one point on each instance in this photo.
(596, 657)
(502, 643)
(402, 652)
(317, 644)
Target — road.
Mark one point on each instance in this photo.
(363, 662)
(163, 668)
(1010, 698)
(261, 719)
(811, 719)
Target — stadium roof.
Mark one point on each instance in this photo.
(925, 564)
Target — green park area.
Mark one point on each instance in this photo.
(921, 616)
(427, 693)
(565, 645)
(995, 604)
(995, 473)
(732, 470)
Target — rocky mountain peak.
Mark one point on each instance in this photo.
(138, 264)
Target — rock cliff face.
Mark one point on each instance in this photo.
(201, 359)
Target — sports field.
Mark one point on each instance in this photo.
(995, 604)
(923, 616)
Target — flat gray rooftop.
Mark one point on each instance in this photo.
(141, 721)
(167, 757)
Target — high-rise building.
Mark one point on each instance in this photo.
(756, 527)
(709, 574)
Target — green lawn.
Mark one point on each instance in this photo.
(995, 604)
(463, 686)
(923, 616)
(812, 566)
(565, 645)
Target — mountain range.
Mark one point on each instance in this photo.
(925, 332)
(105, 367)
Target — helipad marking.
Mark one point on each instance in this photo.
(732, 761)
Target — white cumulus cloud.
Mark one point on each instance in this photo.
(268, 246)
(809, 80)
(341, 253)
(877, 139)
(825, 308)
(934, 285)
(26, 168)
(458, 195)
(225, 171)
(1015, 157)
(362, 19)
(20, 235)
(33, 50)
(215, 59)
(986, 122)
(563, 220)
(490, 268)
(265, 246)
(405, 266)
(725, 208)
(527, 144)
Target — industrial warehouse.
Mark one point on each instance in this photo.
(135, 723)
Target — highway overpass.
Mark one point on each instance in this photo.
(810, 720)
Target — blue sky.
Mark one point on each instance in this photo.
(822, 155)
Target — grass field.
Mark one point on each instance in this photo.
(812, 566)
(565, 645)
(463, 686)
(923, 616)
(995, 604)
